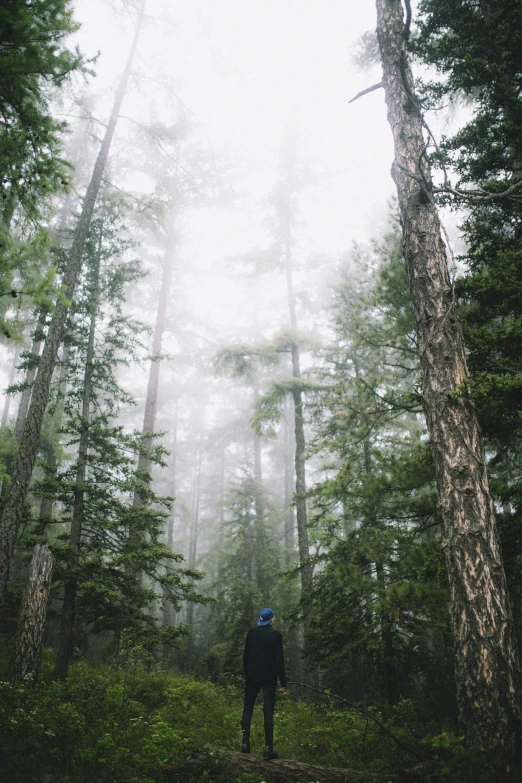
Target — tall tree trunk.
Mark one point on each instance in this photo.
(168, 615)
(306, 569)
(23, 468)
(487, 665)
(151, 400)
(287, 490)
(31, 621)
(30, 375)
(46, 503)
(65, 643)
(193, 543)
(300, 440)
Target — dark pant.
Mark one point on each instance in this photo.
(251, 690)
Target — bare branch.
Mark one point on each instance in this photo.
(367, 90)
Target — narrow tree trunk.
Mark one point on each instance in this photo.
(23, 468)
(287, 497)
(31, 621)
(25, 399)
(193, 543)
(487, 665)
(306, 569)
(65, 643)
(46, 503)
(151, 400)
(300, 441)
(168, 615)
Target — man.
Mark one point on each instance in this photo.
(263, 662)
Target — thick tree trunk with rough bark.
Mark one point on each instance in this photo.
(65, 643)
(487, 665)
(23, 468)
(31, 621)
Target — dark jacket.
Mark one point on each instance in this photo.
(263, 657)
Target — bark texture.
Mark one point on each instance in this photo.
(236, 765)
(31, 621)
(23, 467)
(487, 665)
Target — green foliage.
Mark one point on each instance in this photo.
(34, 61)
(249, 565)
(269, 407)
(109, 725)
(477, 48)
(128, 724)
(119, 537)
(455, 761)
(380, 621)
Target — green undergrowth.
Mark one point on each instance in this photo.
(112, 725)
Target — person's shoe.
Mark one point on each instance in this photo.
(269, 754)
(245, 747)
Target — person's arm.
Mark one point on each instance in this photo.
(280, 662)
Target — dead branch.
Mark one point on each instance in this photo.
(366, 91)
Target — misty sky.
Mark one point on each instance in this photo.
(242, 68)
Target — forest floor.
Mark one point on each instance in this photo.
(130, 725)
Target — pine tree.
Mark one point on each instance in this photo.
(380, 598)
(14, 504)
(487, 665)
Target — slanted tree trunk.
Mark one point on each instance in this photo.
(487, 664)
(65, 643)
(31, 621)
(23, 405)
(25, 399)
(23, 467)
(49, 450)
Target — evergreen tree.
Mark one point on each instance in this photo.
(478, 50)
(483, 628)
(95, 491)
(34, 62)
(248, 572)
(380, 621)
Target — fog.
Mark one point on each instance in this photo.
(249, 188)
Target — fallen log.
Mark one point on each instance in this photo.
(230, 766)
